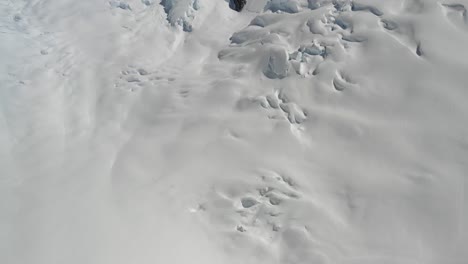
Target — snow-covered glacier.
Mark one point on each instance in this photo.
(183, 131)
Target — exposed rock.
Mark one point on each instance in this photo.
(238, 5)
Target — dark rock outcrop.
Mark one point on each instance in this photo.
(237, 5)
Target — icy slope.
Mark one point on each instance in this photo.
(185, 132)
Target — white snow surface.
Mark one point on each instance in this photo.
(294, 132)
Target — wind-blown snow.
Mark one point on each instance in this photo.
(182, 131)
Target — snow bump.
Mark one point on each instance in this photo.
(181, 12)
(278, 64)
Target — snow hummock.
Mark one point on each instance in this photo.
(181, 12)
(320, 131)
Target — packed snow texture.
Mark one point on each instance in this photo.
(182, 131)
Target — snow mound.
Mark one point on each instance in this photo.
(181, 12)
(120, 4)
(286, 6)
(277, 66)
